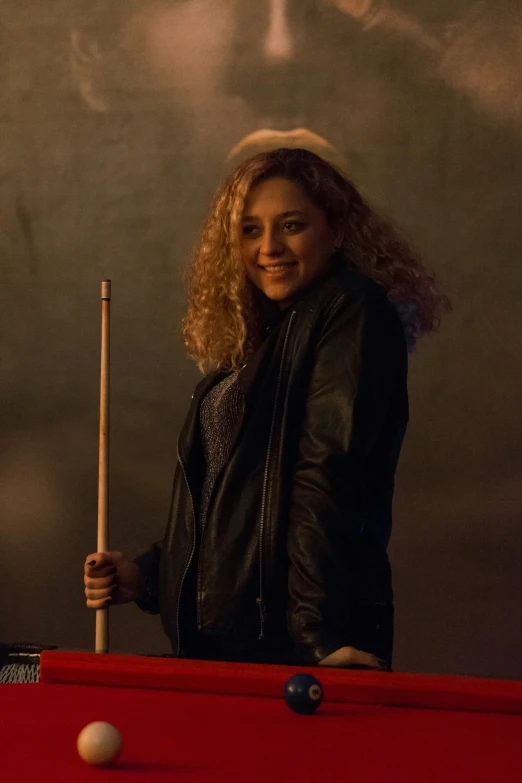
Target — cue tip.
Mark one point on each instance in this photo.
(106, 289)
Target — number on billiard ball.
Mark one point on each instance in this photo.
(303, 693)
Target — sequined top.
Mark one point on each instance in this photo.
(218, 416)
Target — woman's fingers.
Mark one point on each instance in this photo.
(351, 656)
(111, 573)
(95, 595)
(98, 589)
(362, 658)
(99, 564)
(99, 584)
(98, 573)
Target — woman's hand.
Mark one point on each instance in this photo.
(112, 576)
(351, 656)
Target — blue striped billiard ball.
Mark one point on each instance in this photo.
(303, 693)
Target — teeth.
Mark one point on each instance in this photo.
(278, 268)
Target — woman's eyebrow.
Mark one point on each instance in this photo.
(286, 214)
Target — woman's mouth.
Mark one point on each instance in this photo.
(279, 270)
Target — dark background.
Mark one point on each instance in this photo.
(116, 122)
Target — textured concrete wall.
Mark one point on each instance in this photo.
(116, 123)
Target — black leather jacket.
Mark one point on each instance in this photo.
(300, 518)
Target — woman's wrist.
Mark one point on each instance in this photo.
(141, 584)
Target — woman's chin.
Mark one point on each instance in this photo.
(281, 297)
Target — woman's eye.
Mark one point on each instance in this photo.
(289, 226)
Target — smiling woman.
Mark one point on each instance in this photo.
(249, 230)
(281, 509)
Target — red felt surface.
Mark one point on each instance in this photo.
(182, 736)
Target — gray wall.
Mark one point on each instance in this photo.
(116, 122)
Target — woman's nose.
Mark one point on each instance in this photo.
(271, 243)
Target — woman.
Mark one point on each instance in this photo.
(275, 550)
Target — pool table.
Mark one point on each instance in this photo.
(204, 722)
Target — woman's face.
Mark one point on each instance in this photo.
(286, 242)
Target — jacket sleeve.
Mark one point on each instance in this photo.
(148, 563)
(354, 369)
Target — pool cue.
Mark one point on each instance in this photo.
(102, 615)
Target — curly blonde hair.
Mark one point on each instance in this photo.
(221, 328)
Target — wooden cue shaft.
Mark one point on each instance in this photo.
(102, 615)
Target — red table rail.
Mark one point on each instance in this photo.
(341, 685)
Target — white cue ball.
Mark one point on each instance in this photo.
(99, 743)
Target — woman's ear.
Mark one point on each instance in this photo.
(87, 68)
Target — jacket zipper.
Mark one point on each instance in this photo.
(182, 465)
(260, 600)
